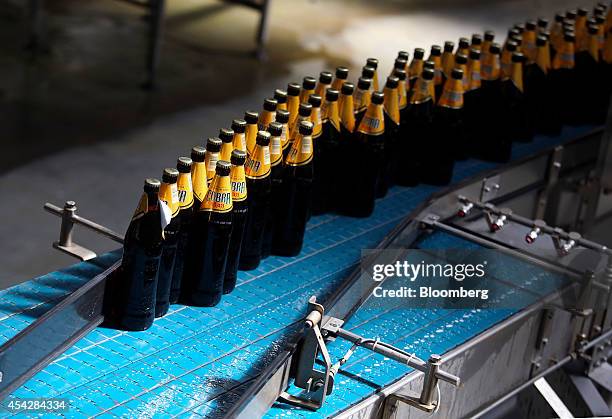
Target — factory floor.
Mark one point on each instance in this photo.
(74, 123)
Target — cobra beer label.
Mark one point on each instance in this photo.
(423, 91)
(347, 116)
(564, 57)
(238, 180)
(332, 115)
(284, 138)
(490, 68)
(211, 160)
(317, 121)
(543, 59)
(257, 165)
(185, 190)
(251, 137)
(361, 100)
(276, 151)
(474, 75)
(142, 208)
(168, 194)
(391, 105)
(301, 151)
(452, 96)
(373, 122)
(239, 141)
(199, 181)
(219, 195)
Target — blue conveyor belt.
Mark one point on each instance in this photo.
(196, 361)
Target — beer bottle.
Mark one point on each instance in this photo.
(589, 72)
(489, 37)
(368, 73)
(304, 112)
(581, 29)
(506, 58)
(168, 196)
(184, 218)
(461, 62)
(268, 115)
(276, 178)
(361, 98)
(282, 117)
(556, 34)
(131, 305)
(563, 79)
(325, 80)
(293, 103)
(296, 194)
(517, 124)
(213, 227)
(403, 92)
(341, 77)
(542, 25)
(317, 130)
(252, 119)
(308, 88)
(416, 66)
(239, 218)
(315, 116)
(227, 139)
(463, 47)
(239, 140)
(473, 102)
(476, 42)
(213, 149)
(348, 149)
(436, 56)
(403, 55)
(199, 181)
(347, 112)
(529, 41)
(606, 63)
(259, 187)
(281, 99)
(392, 135)
(401, 62)
(447, 130)
(373, 62)
(329, 146)
(448, 59)
(401, 65)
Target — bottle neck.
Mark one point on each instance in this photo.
(473, 73)
(452, 96)
(185, 190)
(543, 58)
(317, 121)
(168, 193)
(239, 141)
(361, 99)
(219, 195)
(373, 122)
(391, 104)
(276, 150)
(416, 68)
(226, 151)
(490, 68)
(264, 120)
(211, 159)
(199, 180)
(564, 59)
(258, 163)
(332, 114)
(347, 115)
(238, 181)
(251, 136)
(423, 92)
(301, 151)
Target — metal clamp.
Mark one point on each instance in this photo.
(69, 219)
(565, 245)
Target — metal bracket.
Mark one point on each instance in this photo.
(489, 188)
(69, 219)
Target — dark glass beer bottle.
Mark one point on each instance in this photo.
(590, 73)
(226, 136)
(212, 226)
(341, 77)
(518, 121)
(276, 177)
(529, 41)
(213, 149)
(403, 92)
(392, 136)
(489, 37)
(348, 149)
(131, 304)
(281, 99)
(506, 58)
(268, 115)
(325, 81)
(373, 62)
(184, 217)
(476, 42)
(329, 145)
(259, 187)
(308, 88)
(252, 119)
(239, 140)
(317, 131)
(361, 98)
(463, 47)
(239, 218)
(473, 102)
(282, 117)
(296, 194)
(448, 59)
(436, 57)
(199, 182)
(168, 195)
(416, 66)
(347, 112)
(293, 103)
(563, 79)
(304, 112)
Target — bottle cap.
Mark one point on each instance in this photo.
(238, 157)
(495, 48)
(293, 89)
(309, 83)
(542, 23)
(280, 95)
(569, 37)
(429, 64)
(592, 21)
(151, 185)
(213, 145)
(306, 127)
(170, 175)
(518, 57)
(428, 73)
(378, 98)
(461, 59)
(559, 18)
(457, 74)
(392, 82)
(513, 32)
(400, 63)
(223, 168)
(476, 39)
(449, 46)
(419, 53)
(226, 135)
(400, 73)
(600, 20)
(531, 25)
(331, 95)
(183, 164)
(571, 14)
(198, 153)
(347, 88)
(403, 55)
(325, 77)
(239, 125)
(464, 43)
(315, 101)
(305, 109)
(593, 29)
(282, 116)
(436, 50)
(582, 11)
(541, 40)
(520, 27)
(263, 138)
(489, 36)
(342, 73)
(518, 39)
(511, 46)
(275, 129)
(363, 83)
(372, 62)
(367, 72)
(474, 54)
(270, 104)
(251, 117)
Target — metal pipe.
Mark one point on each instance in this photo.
(67, 214)
(431, 379)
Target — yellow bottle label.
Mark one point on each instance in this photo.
(211, 160)
(465, 79)
(361, 100)
(264, 120)
(257, 165)
(391, 104)
(332, 114)
(473, 73)
(226, 151)
(543, 58)
(321, 89)
(452, 96)
(347, 114)
(415, 69)
(276, 151)
(317, 121)
(529, 45)
(219, 196)
(593, 47)
(437, 69)
(517, 75)
(282, 106)
(199, 180)
(238, 180)
(142, 208)
(239, 141)
(402, 95)
(556, 35)
(506, 63)
(168, 193)
(581, 33)
(564, 57)
(373, 122)
(448, 63)
(294, 131)
(285, 136)
(423, 91)
(251, 136)
(185, 190)
(490, 68)
(305, 94)
(337, 84)
(293, 106)
(301, 151)
(375, 85)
